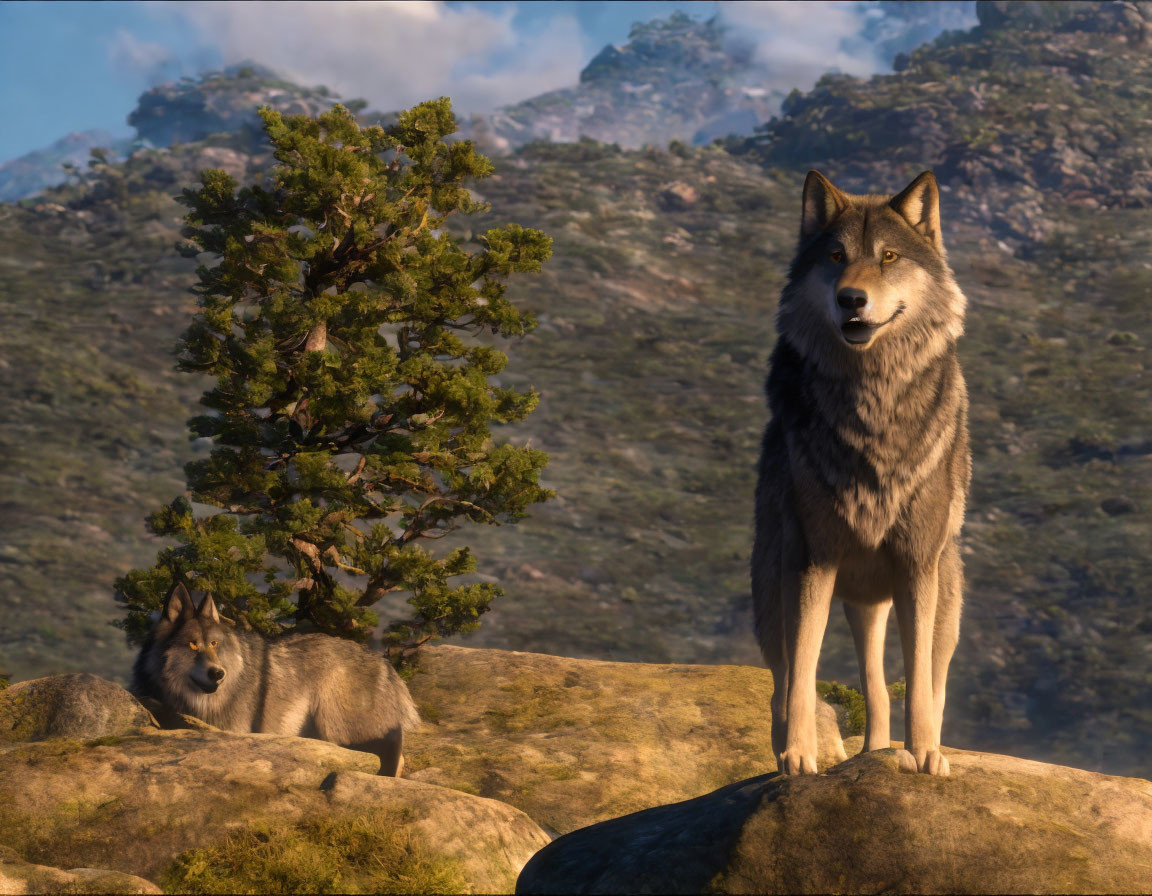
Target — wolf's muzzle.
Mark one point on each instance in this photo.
(851, 299)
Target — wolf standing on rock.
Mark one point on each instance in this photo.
(310, 685)
(865, 464)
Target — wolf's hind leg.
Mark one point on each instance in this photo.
(779, 710)
(390, 749)
(947, 627)
(768, 621)
(868, 623)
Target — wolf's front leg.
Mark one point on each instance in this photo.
(807, 596)
(868, 622)
(916, 599)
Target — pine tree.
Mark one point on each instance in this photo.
(352, 408)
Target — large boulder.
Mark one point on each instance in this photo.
(206, 810)
(488, 841)
(573, 742)
(80, 706)
(18, 877)
(997, 825)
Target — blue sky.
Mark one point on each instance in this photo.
(70, 66)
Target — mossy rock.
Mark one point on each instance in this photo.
(18, 877)
(211, 811)
(74, 706)
(572, 742)
(381, 835)
(997, 825)
(134, 804)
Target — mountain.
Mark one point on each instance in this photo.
(680, 79)
(656, 319)
(35, 171)
(221, 102)
(675, 78)
(1040, 105)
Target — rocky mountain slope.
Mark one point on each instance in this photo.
(223, 102)
(675, 78)
(35, 171)
(656, 320)
(682, 79)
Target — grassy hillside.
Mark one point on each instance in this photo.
(656, 322)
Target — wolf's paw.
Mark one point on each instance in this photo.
(935, 764)
(797, 762)
(930, 762)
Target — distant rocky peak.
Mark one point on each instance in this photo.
(221, 101)
(654, 47)
(1132, 18)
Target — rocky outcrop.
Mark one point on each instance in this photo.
(18, 877)
(674, 79)
(218, 102)
(997, 825)
(79, 706)
(559, 741)
(174, 806)
(572, 742)
(486, 840)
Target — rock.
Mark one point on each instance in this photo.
(677, 196)
(219, 102)
(1117, 505)
(80, 706)
(572, 742)
(185, 808)
(134, 802)
(488, 840)
(18, 877)
(997, 825)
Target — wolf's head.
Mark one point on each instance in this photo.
(870, 277)
(198, 654)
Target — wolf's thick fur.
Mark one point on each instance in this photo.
(865, 464)
(306, 685)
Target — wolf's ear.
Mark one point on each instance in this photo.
(208, 609)
(822, 203)
(178, 604)
(919, 205)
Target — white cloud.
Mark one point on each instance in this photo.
(135, 59)
(394, 54)
(798, 42)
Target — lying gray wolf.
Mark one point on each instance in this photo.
(865, 464)
(305, 685)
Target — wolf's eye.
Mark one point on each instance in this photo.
(837, 256)
(213, 643)
(193, 645)
(889, 256)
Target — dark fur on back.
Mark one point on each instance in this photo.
(310, 685)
